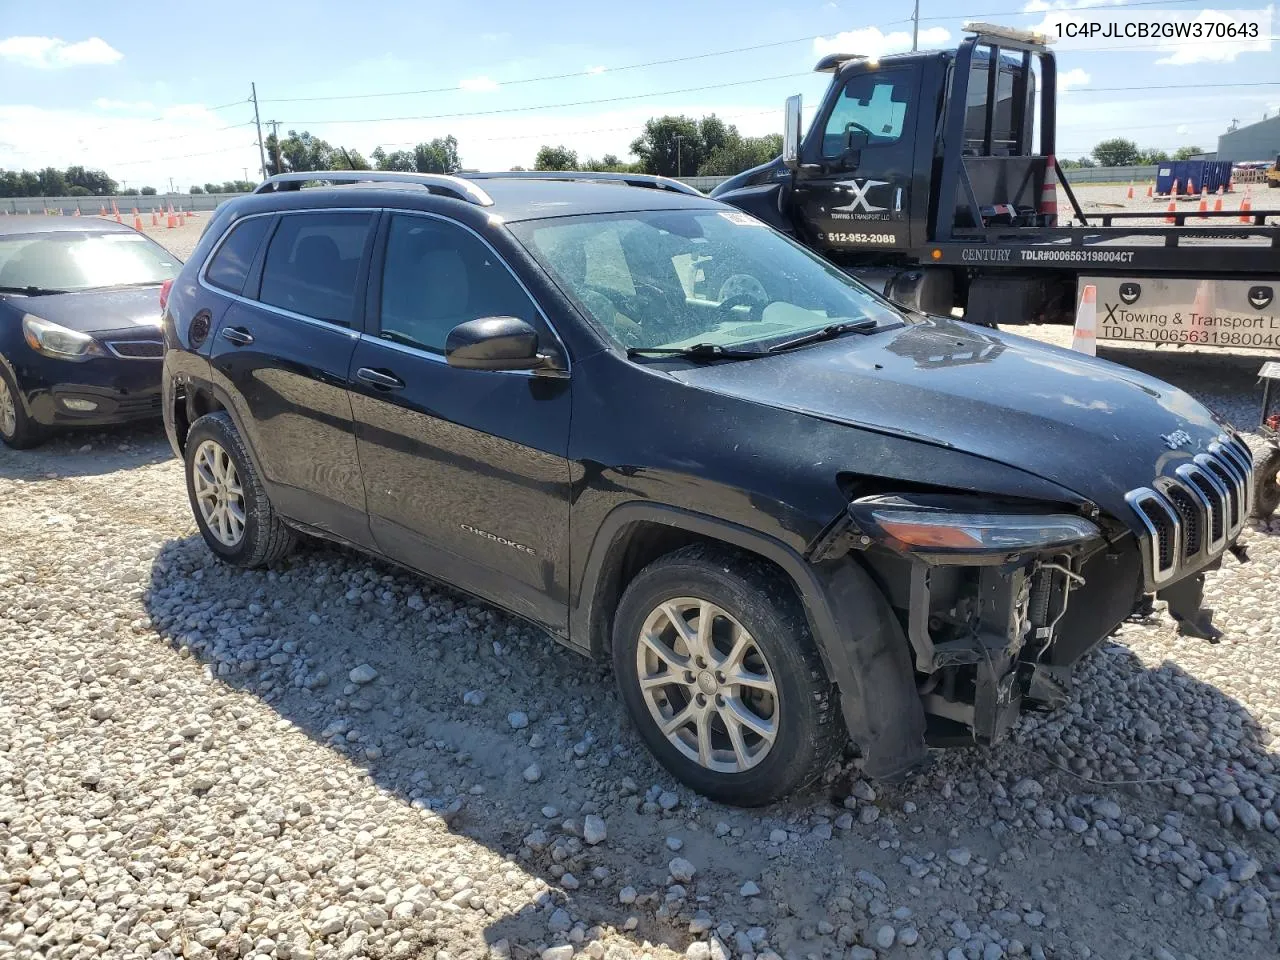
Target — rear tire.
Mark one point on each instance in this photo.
(1266, 484)
(17, 430)
(227, 498)
(754, 717)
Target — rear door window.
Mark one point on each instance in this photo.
(230, 265)
(313, 262)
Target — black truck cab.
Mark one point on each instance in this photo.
(931, 176)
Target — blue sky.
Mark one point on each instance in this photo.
(133, 87)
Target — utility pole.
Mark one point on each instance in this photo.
(262, 153)
(679, 137)
(275, 134)
(915, 26)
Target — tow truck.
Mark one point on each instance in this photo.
(920, 176)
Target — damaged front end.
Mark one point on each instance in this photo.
(985, 592)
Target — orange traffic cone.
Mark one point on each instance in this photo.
(1049, 195)
(1173, 207)
(1085, 338)
(1245, 207)
(1174, 191)
(137, 221)
(1129, 195)
(77, 213)
(1219, 189)
(102, 210)
(1151, 189)
(155, 218)
(1204, 202)
(1217, 204)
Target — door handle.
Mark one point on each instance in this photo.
(237, 335)
(379, 379)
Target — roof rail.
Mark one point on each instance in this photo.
(439, 183)
(630, 179)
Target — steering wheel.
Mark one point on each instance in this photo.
(743, 290)
(854, 125)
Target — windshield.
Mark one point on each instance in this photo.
(69, 260)
(671, 279)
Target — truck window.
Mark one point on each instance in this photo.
(874, 103)
(1012, 110)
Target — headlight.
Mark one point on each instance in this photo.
(928, 528)
(55, 340)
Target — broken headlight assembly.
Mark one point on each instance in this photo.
(963, 528)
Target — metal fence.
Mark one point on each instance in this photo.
(91, 206)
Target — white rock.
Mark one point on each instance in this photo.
(682, 870)
(594, 830)
(363, 674)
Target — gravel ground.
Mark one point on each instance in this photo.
(338, 759)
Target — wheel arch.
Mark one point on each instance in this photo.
(860, 641)
(196, 398)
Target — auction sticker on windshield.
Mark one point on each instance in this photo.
(1215, 313)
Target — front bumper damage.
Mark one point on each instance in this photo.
(993, 635)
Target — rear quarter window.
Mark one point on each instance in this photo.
(230, 265)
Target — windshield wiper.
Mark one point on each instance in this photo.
(698, 351)
(826, 333)
(32, 291)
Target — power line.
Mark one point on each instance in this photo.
(1081, 10)
(596, 71)
(552, 106)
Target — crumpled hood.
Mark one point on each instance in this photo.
(1089, 425)
(97, 311)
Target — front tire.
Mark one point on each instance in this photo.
(17, 430)
(718, 670)
(1266, 484)
(230, 505)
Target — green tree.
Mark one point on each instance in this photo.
(28, 184)
(555, 158)
(212, 188)
(95, 181)
(401, 160)
(1116, 152)
(131, 192)
(740, 154)
(437, 156)
(194, 189)
(52, 182)
(1151, 155)
(344, 159)
(1185, 153)
(75, 190)
(670, 146)
(151, 191)
(716, 135)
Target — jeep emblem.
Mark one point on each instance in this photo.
(1130, 292)
(1176, 439)
(1260, 296)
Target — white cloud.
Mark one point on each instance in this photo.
(1075, 77)
(54, 52)
(478, 84)
(596, 71)
(870, 42)
(1041, 6)
(124, 106)
(1182, 128)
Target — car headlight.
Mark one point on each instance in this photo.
(915, 527)
(55, 340)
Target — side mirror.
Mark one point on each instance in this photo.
(791, 132)
(497, 343)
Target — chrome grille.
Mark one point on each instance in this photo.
(137, 349)
(1189, 518)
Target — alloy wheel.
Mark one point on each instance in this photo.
(8, 410)
(219, 493)
(707, 685)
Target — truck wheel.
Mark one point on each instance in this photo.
(718, 670)
(231, 508)
(1266, 484)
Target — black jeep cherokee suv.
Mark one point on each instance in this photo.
(669, 435)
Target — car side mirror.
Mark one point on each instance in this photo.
(498, 343)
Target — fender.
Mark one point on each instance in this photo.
(190, 382)
(861, 642)
(19, 395)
